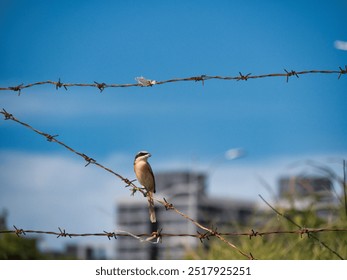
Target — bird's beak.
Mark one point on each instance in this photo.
(149, 155)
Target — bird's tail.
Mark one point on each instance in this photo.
(151, 207)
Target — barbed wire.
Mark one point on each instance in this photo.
(143, 82)
(160, 234)
(52, 138)
(134, 188)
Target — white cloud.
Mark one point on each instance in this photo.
(340, 45)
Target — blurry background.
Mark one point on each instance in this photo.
(185, 126)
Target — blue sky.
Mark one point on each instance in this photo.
(181, 124)
(114, 42)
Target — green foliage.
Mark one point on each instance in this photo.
(18, 248)
(13, 247)
(283, 246)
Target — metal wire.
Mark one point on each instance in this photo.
(160, 234)
(143, 82)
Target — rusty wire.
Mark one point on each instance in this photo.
(143, 82)
(53, 138)
(159, 234)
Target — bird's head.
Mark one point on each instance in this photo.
(142, 155)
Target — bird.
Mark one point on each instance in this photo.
(145, 176)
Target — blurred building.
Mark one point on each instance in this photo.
(309, 192)
(303, 187)
(187, 192)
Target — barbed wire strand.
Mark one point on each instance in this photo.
(158, 235)
(134, 188)
(143, 82)
(52, 138)
(309, 234)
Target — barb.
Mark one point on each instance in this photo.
(100, 86)
(291, 73)
(342, 72)
(143, 82)
(18, 232)
(59, 85)
(17, 88)
(242, 77)
(302, 230)
(63, 233)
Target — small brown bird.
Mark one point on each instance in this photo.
(145, 177)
